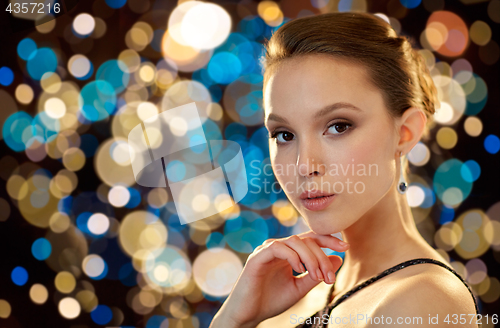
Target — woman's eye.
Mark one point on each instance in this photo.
(334, 128)
(283, 136)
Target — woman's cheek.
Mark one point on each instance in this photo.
(279, 173)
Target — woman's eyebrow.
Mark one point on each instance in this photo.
(338, 105)
(322, 112)
(277, 118)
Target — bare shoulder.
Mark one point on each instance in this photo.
(428, 291)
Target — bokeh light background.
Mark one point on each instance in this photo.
(82, 245)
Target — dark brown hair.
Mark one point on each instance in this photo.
(394, 66)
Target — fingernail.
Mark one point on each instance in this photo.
(331, 277)
(343, 243)
(319, 275)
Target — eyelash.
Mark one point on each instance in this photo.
(275, 133)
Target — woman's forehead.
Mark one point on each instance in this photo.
(316, 80)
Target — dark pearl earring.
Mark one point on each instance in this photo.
(402, 186)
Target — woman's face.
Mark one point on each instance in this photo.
(330, 131)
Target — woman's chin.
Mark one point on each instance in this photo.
(323, 227)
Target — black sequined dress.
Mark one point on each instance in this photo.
(319, 320)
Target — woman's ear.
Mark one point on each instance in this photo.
(411, 127)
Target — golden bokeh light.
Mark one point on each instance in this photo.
(65, 282)
(480, 33)
(24, 94)
(69, 308)
(39, 294)
(84, 24)
(473, 126)
(59, 222)
(5, 309)
(215, 270)
(137, 227)
(73, 159)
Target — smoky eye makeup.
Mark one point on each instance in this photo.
(283, 137)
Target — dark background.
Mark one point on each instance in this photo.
(17, 235)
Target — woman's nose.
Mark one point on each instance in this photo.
(309, 162)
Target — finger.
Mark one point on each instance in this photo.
(325, 264)
(277, 249)
(268, 241)
(327, 241)
(305, 254)
(304, 283)
(336, 262)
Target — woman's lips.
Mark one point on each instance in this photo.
(319, 203)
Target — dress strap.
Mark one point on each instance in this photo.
(389, 271)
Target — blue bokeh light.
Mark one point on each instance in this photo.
(176, 171)
(41, 249)
(156, 321)
(447, 215)
(17, 130)
(19, 276)
(492, 144)
(252, 27)
(135, 198)
(215, 239)
(102, 314)
(82, 221)
(245, 232)
(235, 128)
(112, 71)
(224, 67)
(470, 171)
(43, 60)
(6, 76)
(450, 175)
(26, 48)
(97, 100)
(115, 4)
(127, 275)
(410, 4)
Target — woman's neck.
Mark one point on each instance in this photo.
(383, 237)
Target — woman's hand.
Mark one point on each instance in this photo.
(267, 287)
